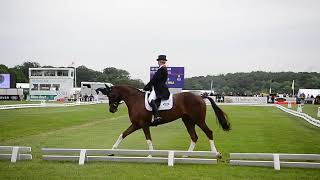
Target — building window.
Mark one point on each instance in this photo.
(36, 73)
(62, 73)
(45, 87)
(87, 85)
(55, 87)
(34, 87)
(71, 73)
(49, 73)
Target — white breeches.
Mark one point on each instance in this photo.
(152, 95)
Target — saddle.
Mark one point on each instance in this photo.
(163, 105)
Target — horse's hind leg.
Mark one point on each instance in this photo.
(127, 132)
(209, 134)
(190, 125)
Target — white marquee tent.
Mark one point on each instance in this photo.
(309, 92)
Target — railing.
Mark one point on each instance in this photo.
(275, 160)
(168, 156)
(19, 106)
(14, 153)
(302, 115)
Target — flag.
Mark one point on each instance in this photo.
(292, 86)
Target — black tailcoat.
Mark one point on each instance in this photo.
(158, 81)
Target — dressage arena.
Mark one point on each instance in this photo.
(82, 135)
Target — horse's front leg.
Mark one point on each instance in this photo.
(147, 134)
(127, 132)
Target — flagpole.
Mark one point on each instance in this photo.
(75, 73)
(75, 76)
(293, 88)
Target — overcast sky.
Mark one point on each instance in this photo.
(207, 37)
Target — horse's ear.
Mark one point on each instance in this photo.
(108, 89)
(97, 91)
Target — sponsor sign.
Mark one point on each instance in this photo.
(9, 97)
(175, 76)
(240, 99)
(4, 80)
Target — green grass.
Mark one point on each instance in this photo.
(254, 129)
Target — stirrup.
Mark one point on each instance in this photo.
(157, 118)
(156, 121)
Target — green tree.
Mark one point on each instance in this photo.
(116, 74)
(24, 67)
(85, 74)
(255, 82)
(4, 69)
(19, 76)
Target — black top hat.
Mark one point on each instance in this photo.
(162, 57)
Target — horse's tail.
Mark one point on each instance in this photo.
(221, 116)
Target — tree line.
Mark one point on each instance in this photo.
(230, 84)
(255, 82)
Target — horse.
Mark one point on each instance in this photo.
(189, 107)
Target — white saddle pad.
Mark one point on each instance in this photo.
(164, 105)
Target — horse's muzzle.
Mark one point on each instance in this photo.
(113, 110)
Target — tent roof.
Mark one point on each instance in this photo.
(313, 92)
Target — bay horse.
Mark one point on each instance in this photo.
(189, 107)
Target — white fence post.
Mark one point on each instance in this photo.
(318, 112)
(276, 161)
(170, 158)
(289, 105)
(15, 154)
(83, 156)
(299, 109)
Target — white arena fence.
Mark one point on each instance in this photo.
(302, 115)
(19, 106)
(14, 153)
(125, 155)
(275, 160)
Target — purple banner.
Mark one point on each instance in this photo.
(4, 80)
(175, 76)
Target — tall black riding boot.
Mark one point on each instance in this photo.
(155, 111)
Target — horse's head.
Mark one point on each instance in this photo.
(102, 90)
(113, 96)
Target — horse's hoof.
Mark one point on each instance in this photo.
(110, 154)
(219, 156)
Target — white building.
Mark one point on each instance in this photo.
(51, 83)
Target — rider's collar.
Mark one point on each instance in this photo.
(163, 65)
